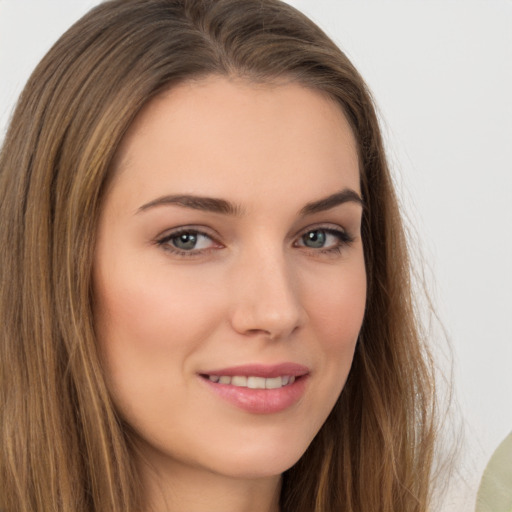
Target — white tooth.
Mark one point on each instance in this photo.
(285, 380)
(214, 378)
(239, 380)
(256, 382)
(273, 383)
(225, 379)
(292, 380)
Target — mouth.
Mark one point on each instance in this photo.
(259, 389)
(252, 381)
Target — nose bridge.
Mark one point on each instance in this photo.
(267, 299)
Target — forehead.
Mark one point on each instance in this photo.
(218, 135)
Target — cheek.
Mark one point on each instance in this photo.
(337, 310)
(336, 316)
(147, 327)
(150, 309)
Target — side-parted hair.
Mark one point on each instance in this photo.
(62, 446)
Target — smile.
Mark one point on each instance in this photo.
(253, 382)
(259, 389)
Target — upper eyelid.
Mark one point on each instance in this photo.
(328, 226)
(345, 237)
(200, 230)
(327, 229)
(207, 231)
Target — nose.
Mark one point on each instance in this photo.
(266, 299)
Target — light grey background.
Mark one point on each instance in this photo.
(441, 73)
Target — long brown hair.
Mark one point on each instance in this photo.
(62, 446)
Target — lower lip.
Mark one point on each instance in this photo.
(260, 401)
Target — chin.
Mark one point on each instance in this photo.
(261, 458)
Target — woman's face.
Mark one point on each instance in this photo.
(229, 274)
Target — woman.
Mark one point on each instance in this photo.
(205, 294)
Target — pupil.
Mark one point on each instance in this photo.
(315, 239)
(186, 241)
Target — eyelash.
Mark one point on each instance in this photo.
(165, 242)
(344, 240)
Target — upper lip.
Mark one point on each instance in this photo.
(262, 370)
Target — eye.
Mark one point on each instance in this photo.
(187, 242)
(190, 241)
(315, 239)
(325, 239)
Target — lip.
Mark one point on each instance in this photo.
(262, 370)
(260, 401)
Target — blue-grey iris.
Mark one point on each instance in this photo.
(185, 241)
(314, 239)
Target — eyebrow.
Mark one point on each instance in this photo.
(207, 204)
(347, 195)
(215, 205)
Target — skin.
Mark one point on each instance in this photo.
(252, 290)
